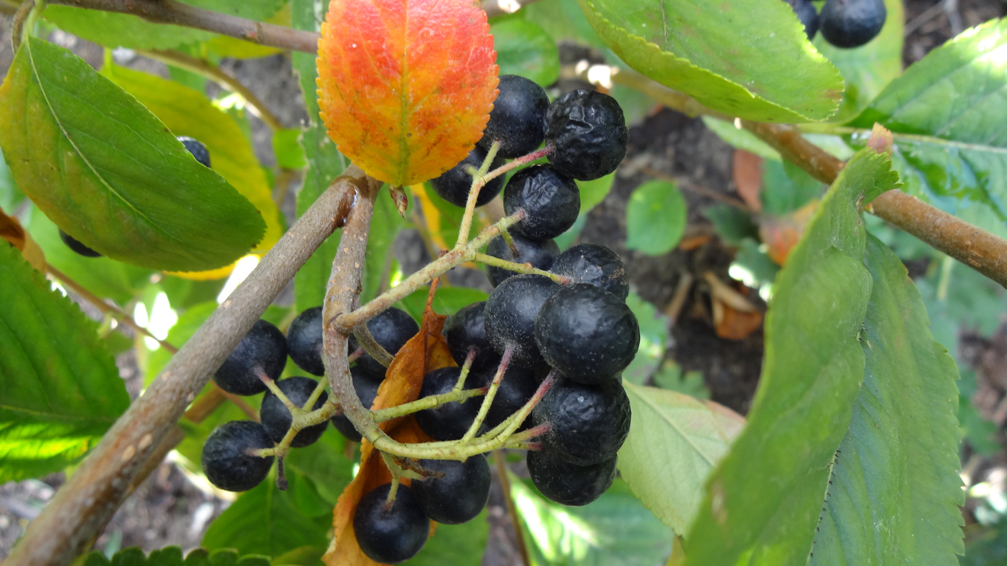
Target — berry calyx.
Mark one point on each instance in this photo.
(852, 23)
(263, 351)
(197, 149)
(226, 456)
(390, 534)
(596, 265)
(806, 12)
(449, 421)
(304, 341)
(76, 246)
(539, 253)
(517, 120)
(367, 390)
(454, 184)
(510, 316)
(391, 329)
(459, 495)
(589, 422)
(566, 483)
(276, 417)
(465, 330)
(550, 201)
(587, 333)
(588, 131)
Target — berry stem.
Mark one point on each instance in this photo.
(519, 162)
(479, 181)
(355, 355)
(430, 402)
(371, 346)
(505, 234)
(525, 268)
(275, 389)
(466, 367)
(490, 395)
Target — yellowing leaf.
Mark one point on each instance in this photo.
(15, 235)
(405, 86)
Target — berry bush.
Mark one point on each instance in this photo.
(550, 380)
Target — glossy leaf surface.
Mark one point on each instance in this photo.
(523, 48)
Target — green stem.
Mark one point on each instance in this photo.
(430, 402)
(490, 395)
(479, 181)
(525, 268)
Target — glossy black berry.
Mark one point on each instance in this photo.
(304, 341)
(197, 149)
(510, 316)
(595, 265)
(589, 422)
(550, 201)
(392, 329)
(569, 484)
(76, 246)
(390, 535)
(587, 333)
(852, 23)
(806, 12)
(459, 495)
(275, 416)
(539, 253)
(464, 330)
(516, 388)
(449, 421)
(453, 186)
(367, 390)
(226, 460)
(589, 132)
(517, 120)
(263, 349)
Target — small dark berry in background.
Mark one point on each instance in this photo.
(76, 246)
(595, 265)
(466, 329)
(454, 185)
(539, 253)
(367, 390)
(197, 149)
(450, 421)
(510, 316)
(390, 536)
(304, 341)
(517, 120)
(806, 12)
(276, 418)
(263, 348)
(566, 483)
(460, 495)
(226, 461)
(852, 23)
(589, 422)
(392, 329)
(589, 133)
(550, 200)
(516, 389)
(587, 333)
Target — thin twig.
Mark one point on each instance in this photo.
(522, 546)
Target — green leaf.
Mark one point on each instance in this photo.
(186, 325)
(288, 150)
(764, 500)
(946, 114)
(747, 58)
(59, 386)
(785, 187)
(172, 556)
(448, 300)
(385, 226)
(655, 218)
(523, 48)
(187, 112)
(324, 465)
(563, 21)
(753, 267)
(10, 195)
(732, 224)
(674, 443)
(455, 544)
(104, 169)
(740, 138)
(265, 520)
(653, 335)
(615, 530)
(897, 465)
(594, 191)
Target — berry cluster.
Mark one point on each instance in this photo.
(844, 23)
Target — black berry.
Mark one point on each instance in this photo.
(197, 149)
(449, 421)
(588, 131)
(76, 246)
(464, 330)
(263, 349)
(276, 417)
(852, 23)
(516, 388)
(550, 201)
(460, 495)
(566, 483)
(454, 184)
(589, 422)
(539, 253)
(517, 120)
(806, 12)
(304, 341)
(392, 329)
(596, 265)
(390, 535)
(367, 390)
(226, 459)
(510, 316)
(587, 333)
